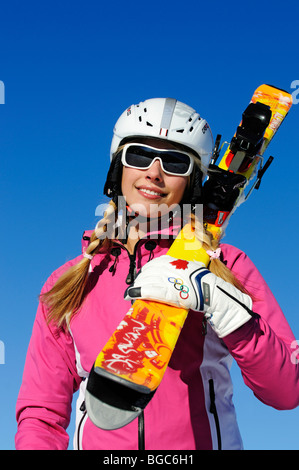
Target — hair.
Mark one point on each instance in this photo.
(65, 298)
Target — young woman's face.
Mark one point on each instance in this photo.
(151, 192)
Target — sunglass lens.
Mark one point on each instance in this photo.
(140, 157)
(176, 162)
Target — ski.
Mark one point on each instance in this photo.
(131, 365)
(129, 369)
(243, 161)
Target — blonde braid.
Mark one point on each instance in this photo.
(106, 225)
(216, 266)
(67, 294)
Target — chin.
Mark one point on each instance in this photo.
(152, 210)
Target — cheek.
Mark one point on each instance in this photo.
(129, 177)
(126, 178)
(178, 186)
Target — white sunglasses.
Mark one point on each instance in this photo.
(141, 157)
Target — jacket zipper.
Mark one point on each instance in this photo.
(83, 409)
(132, 257)
(213, 410)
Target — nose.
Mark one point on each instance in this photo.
(155, 172)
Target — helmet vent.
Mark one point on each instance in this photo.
(149, 124)
(191, 129)
(140, 118)
(180, 131)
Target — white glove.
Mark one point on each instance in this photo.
(191, 285)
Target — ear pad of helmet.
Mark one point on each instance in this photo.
(112, 186)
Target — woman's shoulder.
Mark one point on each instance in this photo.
(232, 255)
(242, 266)
(58, 272)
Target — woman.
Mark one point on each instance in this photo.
(160, 151)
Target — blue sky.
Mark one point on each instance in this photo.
(69, 69)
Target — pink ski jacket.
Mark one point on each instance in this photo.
(193, 406)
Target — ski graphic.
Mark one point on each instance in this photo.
(129, 369)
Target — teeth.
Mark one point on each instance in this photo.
(148, 191)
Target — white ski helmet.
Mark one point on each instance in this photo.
(165, 118)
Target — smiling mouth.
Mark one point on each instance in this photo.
(151, 192)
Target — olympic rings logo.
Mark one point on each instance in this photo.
(179, 285)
